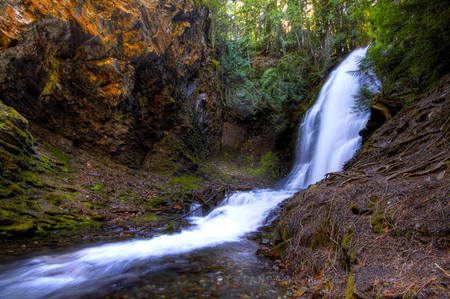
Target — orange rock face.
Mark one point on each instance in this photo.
(115, 76)
(125, 28)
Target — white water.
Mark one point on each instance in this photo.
(329, 134)
(328, 138)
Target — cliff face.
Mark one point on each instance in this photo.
(115, 77)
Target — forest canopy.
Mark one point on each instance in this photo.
(272, 55)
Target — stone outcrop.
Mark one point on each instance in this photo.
(115, 77)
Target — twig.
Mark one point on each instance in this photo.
(443, 271)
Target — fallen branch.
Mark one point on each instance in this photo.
(192, 211)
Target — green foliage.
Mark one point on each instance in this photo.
(273, 53)
(363, 98)
(411, 42)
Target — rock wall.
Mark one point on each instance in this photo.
(113, 76)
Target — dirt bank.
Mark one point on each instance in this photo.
(380, 227)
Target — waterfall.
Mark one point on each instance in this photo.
(329, 133)
(328, 137)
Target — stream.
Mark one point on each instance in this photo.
(213, 257)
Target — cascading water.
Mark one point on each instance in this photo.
(328, 137)
(329, 134)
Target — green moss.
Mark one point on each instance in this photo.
(146, 218)
(267, 164)
(191, 158)
(45, 164)
(88, 204)
(350, 290)
(169, 226)
(63, 222)
(347, 240)
(226, 155)
(185, 184)
(320, 237)
(58, 155)
(24, 226)
(71, 196)
(98, 187)
(372, 202)
(32, 179)
(54, 198)
(10, 189)
(278, 249)
(15, 146)
(284, 233)
(128, 195)
(100, 190)
(378, 222)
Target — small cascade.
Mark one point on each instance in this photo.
(328, 137)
